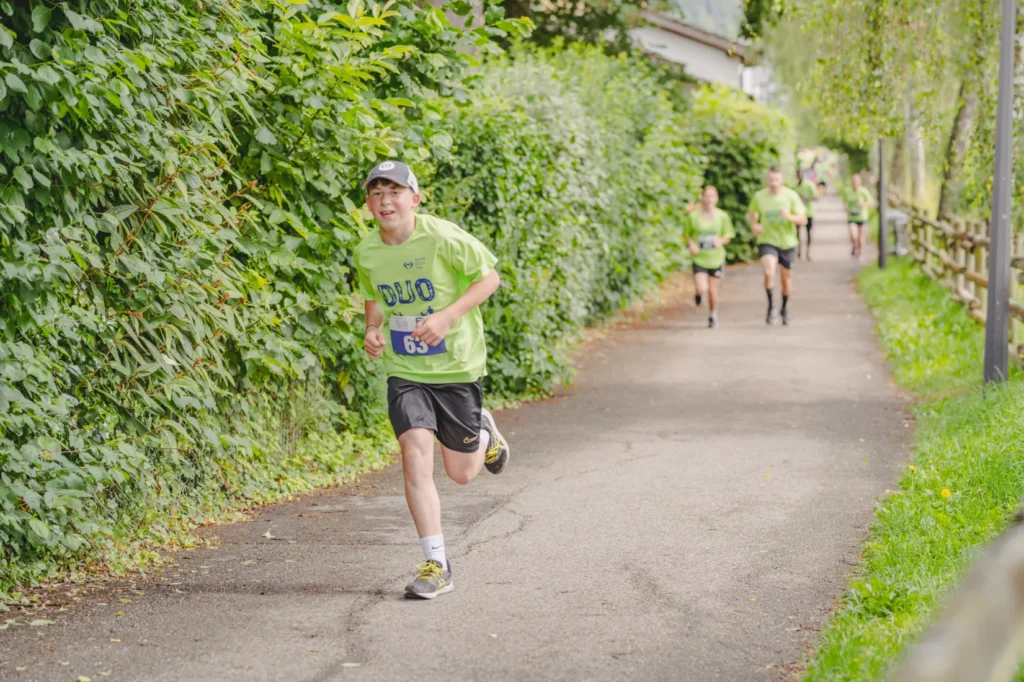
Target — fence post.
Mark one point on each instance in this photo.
(979, 262)
(928, 241)
(1015, 291)
(960, 258)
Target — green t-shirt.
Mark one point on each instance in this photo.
(703, 230)
(778, 231)
(425, 274)
(808, 192)
(853, 199)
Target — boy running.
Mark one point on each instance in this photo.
(773, 212)
(708, 229)
(858, 203)
(423, 279)
(808, 192)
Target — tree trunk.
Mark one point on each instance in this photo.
(959, 137)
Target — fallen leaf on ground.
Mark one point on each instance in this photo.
(126, 601)
(115, 641)
(83, 678)
(493, 636)
(349, 664)
(248, 561)
(40, 622)
(268, 535)
(105, 673)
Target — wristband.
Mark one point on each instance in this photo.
(371, 325)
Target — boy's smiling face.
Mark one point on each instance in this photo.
(391, 204)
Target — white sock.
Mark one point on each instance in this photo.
(433, 548)
(485, 439)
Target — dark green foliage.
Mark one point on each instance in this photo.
(179, 197)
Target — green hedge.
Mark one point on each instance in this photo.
(742, 140)
(178, 328)
(179, 331)
(573, 167)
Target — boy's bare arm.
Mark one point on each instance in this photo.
(432, 328)
(373, 339)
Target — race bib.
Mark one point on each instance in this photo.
(707, 241)
(403, 342)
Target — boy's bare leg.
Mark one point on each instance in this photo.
(462, 467)
(420, 491)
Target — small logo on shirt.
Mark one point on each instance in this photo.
(408, 264)
(469, 440)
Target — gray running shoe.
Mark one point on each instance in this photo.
(713, 321)
(770, 317)
(432, 580)
(785, 316)
(498, 451)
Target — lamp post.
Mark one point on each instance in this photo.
(997, 328)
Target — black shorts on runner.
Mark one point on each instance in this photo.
(451, 411)
(715, 272)
(860, 223)
(785, 256)
(810, 224)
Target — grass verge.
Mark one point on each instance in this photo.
(960, 489)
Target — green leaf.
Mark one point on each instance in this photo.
(6, 37)
(40, 18)
(15, 83)
(39, 528)
(265, 136)
(47, 74)
(23, 178)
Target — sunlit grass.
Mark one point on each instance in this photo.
(959, 490)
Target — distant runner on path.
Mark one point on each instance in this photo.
(423, 279)
(708, 230)
(773, 212)
(808, 192)
(858, 202)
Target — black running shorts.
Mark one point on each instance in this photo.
(714, 272)
(785, 256)
(451, 411)
(810, 224)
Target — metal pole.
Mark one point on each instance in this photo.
(882, 256)
(997, 329)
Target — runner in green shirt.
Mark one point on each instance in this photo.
(858, 207)
(423, 279)
(708, 230)
(808, 192)
(773, 212)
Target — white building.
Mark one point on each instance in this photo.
(707, 57)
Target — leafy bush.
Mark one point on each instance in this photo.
(178, 321)
(742, 140)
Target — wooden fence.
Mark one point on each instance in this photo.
(956, 255)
